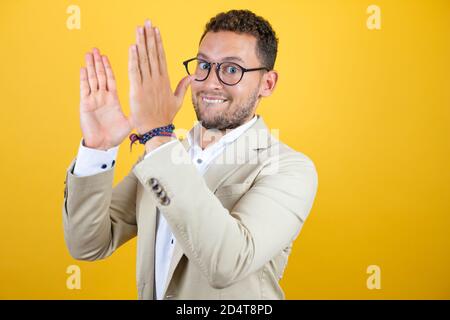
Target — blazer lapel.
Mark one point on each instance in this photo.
(244, 148)
(237, 154)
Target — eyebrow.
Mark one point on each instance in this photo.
(202, 55)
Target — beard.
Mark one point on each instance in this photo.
(228, 119)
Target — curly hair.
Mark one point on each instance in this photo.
(245, 21)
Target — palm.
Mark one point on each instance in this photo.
(102, 121)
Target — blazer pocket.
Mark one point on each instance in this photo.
(232, 189)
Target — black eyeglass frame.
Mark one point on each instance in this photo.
(218, 64)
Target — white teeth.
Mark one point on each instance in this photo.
(213, 100)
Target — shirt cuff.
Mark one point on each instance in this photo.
(92, 161)
(160, 147)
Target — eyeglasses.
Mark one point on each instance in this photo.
(228, 73)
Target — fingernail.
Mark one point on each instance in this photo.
(141, 30)
(148, 23)
(157, 30)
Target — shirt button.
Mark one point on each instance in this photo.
(171, 241)
(199, 160)
(104, 166)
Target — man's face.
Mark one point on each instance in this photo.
(240, 99)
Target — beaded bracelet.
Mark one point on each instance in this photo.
(166, 131)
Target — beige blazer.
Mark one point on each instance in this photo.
(234, 225)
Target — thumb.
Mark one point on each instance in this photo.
(182, 87)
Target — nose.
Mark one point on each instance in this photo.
(213, 80)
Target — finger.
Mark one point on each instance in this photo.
(133, 66)
(181, 89)
(92, 77)
(161, 54)
(151, 49)
(144, 66)
(110, 79)
(84, 83)
(100, 70)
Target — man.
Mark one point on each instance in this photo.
(208, 226)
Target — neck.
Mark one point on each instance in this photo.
(210, 137)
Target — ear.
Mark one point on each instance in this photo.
(269, 81)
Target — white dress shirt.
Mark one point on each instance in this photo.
(92, 161)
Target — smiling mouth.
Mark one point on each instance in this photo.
(214, 101)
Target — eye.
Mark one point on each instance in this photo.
(231, 69)
(203, 65)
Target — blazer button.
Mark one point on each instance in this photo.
(165, 201)
(157, 188)
(153, 182)
(162, 194)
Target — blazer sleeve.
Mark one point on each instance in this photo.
(228, 246)
(98, 218)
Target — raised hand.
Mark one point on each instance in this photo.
(102, 120)
(152, 102)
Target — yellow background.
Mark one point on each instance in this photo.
(370, 107)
